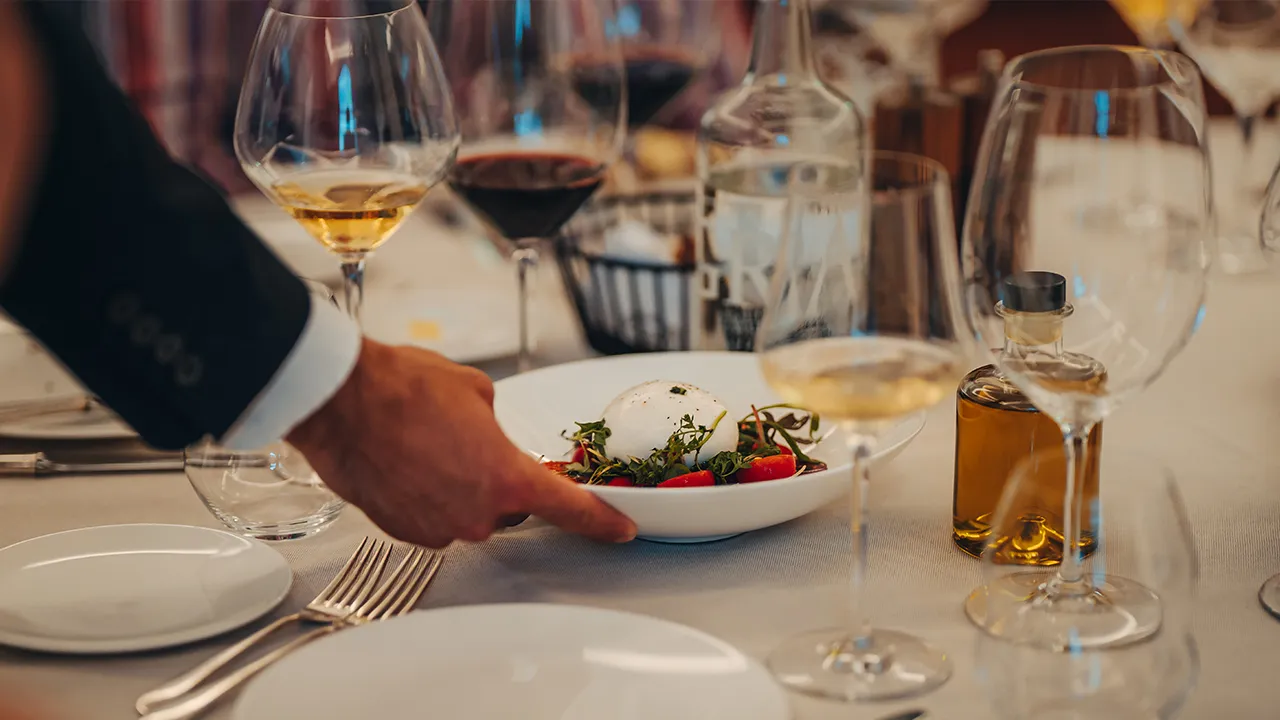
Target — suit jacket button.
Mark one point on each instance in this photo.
(188, 370)
(145, 330)
(168, 347)
(123, 308)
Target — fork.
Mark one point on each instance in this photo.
(348, 590)
(397, 596)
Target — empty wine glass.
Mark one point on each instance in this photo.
(1269, 230)
(1237, 46)
(346, 121)
(1093, 168)
(863, 329)
(539, 86)
(1143, 535)
(911, 31)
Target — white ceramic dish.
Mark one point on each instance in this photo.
(96, 424)
(125, 588)
(527, 661)
(534, 408)
(30, 373)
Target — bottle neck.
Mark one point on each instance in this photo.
(782, 42)
(1038, 334)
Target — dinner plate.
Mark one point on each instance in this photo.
(534, 408)
(28, 372)
(97, 423)
(125, 588)
(527, 661)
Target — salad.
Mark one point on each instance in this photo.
(688, 441)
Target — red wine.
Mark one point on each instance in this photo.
(654, 76)
(526, 195)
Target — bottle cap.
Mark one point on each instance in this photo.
(1034, 291)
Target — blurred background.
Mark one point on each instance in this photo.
(183, 60)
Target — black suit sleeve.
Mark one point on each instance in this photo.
(133, 270)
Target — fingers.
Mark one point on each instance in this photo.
(562, 502)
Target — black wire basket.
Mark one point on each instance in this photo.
(630, 305)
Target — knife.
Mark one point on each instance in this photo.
(40, 465)
(12, 412)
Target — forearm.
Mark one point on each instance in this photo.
(132, 269)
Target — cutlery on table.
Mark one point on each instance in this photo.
(26, 409)
(41, 465)
(346, 593)
(397, 596)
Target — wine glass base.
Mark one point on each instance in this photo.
(1269, 596)
(825, 663)
(1022, 608)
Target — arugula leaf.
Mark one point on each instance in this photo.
(689, 438)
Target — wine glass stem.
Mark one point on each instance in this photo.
(526, 257)
(1250, 174)
(353, 284)
(862, 446)
(1071, 576)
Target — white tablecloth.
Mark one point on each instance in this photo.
(1214, 418)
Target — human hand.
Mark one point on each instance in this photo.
(411, 439)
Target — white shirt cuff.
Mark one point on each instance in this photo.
(315, 368)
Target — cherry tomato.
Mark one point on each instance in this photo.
(621, 482)
(555, 467)
(785, 450)
(579, 455)
(702, 478)
(774, 467)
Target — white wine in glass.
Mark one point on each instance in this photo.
(346, 121)
(861, 327)
(862, 379)
(1148, 19)
(349, 212)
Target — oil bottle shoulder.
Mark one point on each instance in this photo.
(986, 386)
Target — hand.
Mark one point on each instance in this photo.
(411, 439)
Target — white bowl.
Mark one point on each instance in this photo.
(534, 408)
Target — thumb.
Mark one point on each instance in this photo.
(567, 505)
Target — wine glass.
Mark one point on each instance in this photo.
(1237, 46)
(1149, 19)
(911, 31)
(537, 139)
(1093, 168)
(1269, 231)
(1143, 534)
(665, 45)
(863, 329)
(346, 121)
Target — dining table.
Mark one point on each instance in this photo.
(1213, 418)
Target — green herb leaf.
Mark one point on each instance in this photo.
(677, 390)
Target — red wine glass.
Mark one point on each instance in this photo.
(534, 146)
(665, 45)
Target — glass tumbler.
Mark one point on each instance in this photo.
(270, 493)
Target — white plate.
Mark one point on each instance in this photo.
(96, 424)
(532, 662)
(124, 588)
(439, 288)
(27, 372)
(534, 408)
